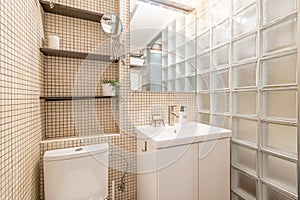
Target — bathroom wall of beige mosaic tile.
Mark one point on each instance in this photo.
(21, 84)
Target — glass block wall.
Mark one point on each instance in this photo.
(247, 81)
(178, 55)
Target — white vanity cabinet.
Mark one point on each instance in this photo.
(197, 171)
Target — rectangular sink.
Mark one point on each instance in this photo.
(161, 137)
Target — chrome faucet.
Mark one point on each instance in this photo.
(171, 115)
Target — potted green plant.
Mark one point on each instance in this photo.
(110, 87)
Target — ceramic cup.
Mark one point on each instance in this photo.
(53, 42)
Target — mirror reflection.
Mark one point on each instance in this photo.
(111, 25)
(162, 48)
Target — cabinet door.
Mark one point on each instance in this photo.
(178, 173)
(214, 170)
(146, 171)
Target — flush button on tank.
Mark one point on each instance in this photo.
(79, 149)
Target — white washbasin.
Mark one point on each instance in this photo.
(191, 132)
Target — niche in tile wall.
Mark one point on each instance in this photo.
(70, 76)
(74, 104)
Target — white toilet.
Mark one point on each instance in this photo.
(79, 173)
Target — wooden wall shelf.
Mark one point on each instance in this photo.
(68, 11)
(73, 54)
(76, 98)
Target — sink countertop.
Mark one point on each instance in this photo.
(192, 132)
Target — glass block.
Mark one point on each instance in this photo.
(221, 33)
(280, 70)
(280, 36)
(237, 4)
(221, 121)
(280, 138)
(203, 82)
(244, 75)
(190, 31)
(190, 49)
(165, 35)
(180, 38)
(172, 58)
(180, 86)
(220, 102)
(171, 85)
(165, 74)
(203, 101)
(245, 130)
(189, 18)
(273, 9)
(172, 72)
(165, 47)
(271, 194)
(203, 42)
(245, 21)
(221, 79)
(190, 67)
(220, 11)
(236, 197)
(180, 54)
(172, 43)
(243, 185)
(180, 70)
(165, 60)
(221, 56)
(280, 172)
(203, 22)
(172, 29)
(203, 61)
(245, 48)
(280, 104)
(204, 118)
(165, 86)
(190, 84)
(244, 158)
(245, 103)
(180, 22)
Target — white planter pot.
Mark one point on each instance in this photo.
(107, 90)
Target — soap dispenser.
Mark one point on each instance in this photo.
(182, 115)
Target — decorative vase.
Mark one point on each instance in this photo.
(108, 90)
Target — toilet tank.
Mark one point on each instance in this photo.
(79, 173)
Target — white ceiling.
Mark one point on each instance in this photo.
(147, 22)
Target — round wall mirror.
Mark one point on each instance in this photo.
(111, 25)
